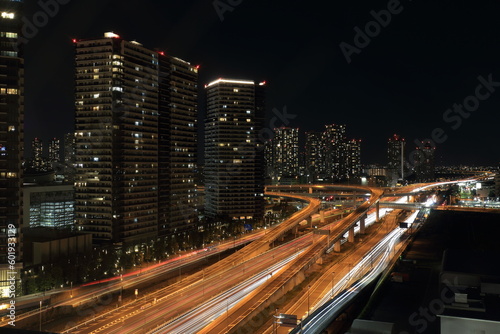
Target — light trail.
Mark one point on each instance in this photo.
(201, 316)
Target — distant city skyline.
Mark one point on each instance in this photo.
(403, 81)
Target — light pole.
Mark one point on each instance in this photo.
(308, 293)
(333, 275)
(120, 297)
(71, 291)
(275, 322)
(40, 316)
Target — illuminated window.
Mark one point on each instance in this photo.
(236, 90)
(6, 15)
(12, 128)
(8, 34)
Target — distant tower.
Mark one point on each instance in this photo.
(69, 149)
(54, 150)
(285, 156)
(354, 157)
(334, 149)
(395, 156)
(37, 152)
(314, 156)
(234, 154)
(425, 162)
(69, 157)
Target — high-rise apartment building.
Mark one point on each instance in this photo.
(314, 156)
(285, 153)
(69, 148)
(353, 161)
(11, 137)
(69, 158)
(177, 146)
(395, 156)
(37, 153)
(54, 150)
(135, 133)
(425, 162)
(335, 151)
(234, 154)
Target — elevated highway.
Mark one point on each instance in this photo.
(293, 273)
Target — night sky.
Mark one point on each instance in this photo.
(427, 58)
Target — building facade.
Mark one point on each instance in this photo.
(50, 206)
(234, 154)
(11, 137)
(335, 151)
(37, 159)
(285, 153)
(314, 159)
(353, 150)
(55, 150)
(395, 157)
(177, 147)
(127, 103)
(425, 162)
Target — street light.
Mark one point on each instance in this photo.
(71, 291)
(275, 322)
(40, 316)
(333, 275)
(308, 293)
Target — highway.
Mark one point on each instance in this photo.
(89, 292)
(247, 306)
(327, 309)
(200, 317)
(183, 305)
(148, 314)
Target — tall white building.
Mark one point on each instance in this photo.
(234, 153)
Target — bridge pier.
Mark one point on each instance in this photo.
(310, 190)
(377, 218)
(336, 247)
(362, 224)
(309, 221)
(322, 216)
(351, 235)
